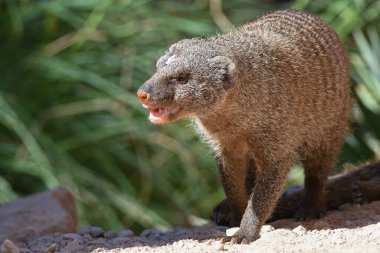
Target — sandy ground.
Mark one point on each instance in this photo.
(353, 228)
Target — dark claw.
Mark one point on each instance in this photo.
(235, 240)
(226, 239)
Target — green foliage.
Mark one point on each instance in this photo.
(366, 66)
(68, 113)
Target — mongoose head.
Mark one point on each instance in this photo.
(192, 79)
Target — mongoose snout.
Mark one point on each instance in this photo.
(264, 95)
(158, 103)
(143, 96)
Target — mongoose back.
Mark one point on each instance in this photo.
(266, 94)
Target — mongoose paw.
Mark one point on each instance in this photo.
(235, 240)
(240, 237)
(221, 214)
(309, 213)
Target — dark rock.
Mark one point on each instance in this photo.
(71, 236)
(125, 233)
(93, 231)
(39, 214)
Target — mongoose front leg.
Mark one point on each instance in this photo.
(233, 165)
(222, 214)
(262, 200)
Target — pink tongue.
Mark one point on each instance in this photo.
(155, 112)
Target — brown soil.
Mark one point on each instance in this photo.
(353, 228)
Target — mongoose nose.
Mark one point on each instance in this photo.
(142, 95)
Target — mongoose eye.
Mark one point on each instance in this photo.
(183, 78)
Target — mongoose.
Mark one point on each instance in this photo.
(266, 94)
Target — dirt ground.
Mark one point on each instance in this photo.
(353, 228)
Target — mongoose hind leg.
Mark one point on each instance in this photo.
(312, 205)
(317, 165)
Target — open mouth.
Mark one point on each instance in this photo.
(160, 115)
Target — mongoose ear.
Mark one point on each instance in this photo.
(226, 70)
